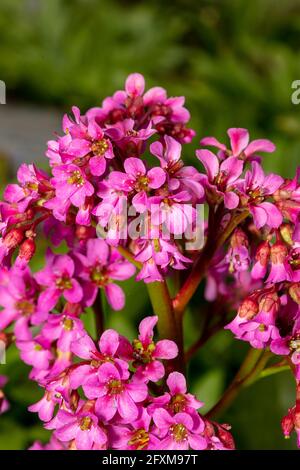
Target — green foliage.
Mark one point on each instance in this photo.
(235, 61)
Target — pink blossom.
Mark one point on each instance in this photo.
(115, 393)
(85, 348)
(82, 427)
(257, 188)
(147, 354)
(177, 432)
(221, 179)
(180, 177)
(58, 279)
(240, 146)
(100, 267)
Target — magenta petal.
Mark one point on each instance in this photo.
(157, 177)
(231, 200)
(135, 84)
(74, 294)
(165, 349)
(146, 329)
(106, 407)
(134, 166)
(176, 383)
(162, 419)
(127, 408)
(197, 442)
(239, 139)
(260, 145)
(210, 163)
(115, 296)
(109, 342)
(137, 390)
(83, 347)
(97, 165)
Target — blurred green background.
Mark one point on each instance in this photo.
(234, 61)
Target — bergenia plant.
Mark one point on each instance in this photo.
(119, 201)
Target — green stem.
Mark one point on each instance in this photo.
(200, 267)
(252, 366)
(168, 327)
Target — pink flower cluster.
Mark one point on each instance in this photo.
(118, 409)
(117, 394)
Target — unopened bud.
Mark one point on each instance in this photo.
(13, 238)
(248, 309)
(27, 249)
(263, 253)
(278, 253)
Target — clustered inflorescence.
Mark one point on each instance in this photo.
(112, 393)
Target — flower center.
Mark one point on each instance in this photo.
(63, 283)
(25, 307)
(178, 432)
(115, 387)
(76, 178)
(142, 183)
(68, 324)
(140, 439)
(100, 147)
(85, 423)
(98, 276)
(177, 403)
(294, 344)
(132, 133)
(256, 195)
(142, 354)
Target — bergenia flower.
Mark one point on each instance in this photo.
(58, 280)
(148, 355)
(178, 432)
(115, 393)
(220, 182)
(101, 265)
(239, 145)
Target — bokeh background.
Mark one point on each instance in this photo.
(234, 61)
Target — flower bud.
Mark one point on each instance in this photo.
(13, 238)
(248, 309)
(27, 249)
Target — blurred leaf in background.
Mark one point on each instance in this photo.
(235, 62)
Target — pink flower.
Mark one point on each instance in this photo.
(137, 180)
(115, 393)
(82, 427)
(156, 256)
(18, 294)
(177, 400)
(85, 142)
(100, 266)
(180, 177)
(71, 187)
(85, 348)
(35, 353)
(135, 436)
(240, 147)
(177, 432)
(64, 329)
(58, 279)
(257, 188)
(221, 179)
(147, 354)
